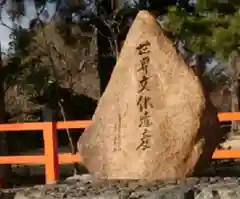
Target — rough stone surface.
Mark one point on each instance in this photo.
(154, 121)
(191, 188)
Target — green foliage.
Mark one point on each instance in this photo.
(213, 27)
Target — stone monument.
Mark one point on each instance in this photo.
(154, 120)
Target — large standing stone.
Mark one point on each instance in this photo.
(154, 120)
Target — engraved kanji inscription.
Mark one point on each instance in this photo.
(143, 48)
(144, 65)
(145, 120)
(144, 102)
(144, 140)
(143, 82)
(117, 138)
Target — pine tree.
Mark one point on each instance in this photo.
(211, 27)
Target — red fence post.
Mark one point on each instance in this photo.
(51, 152)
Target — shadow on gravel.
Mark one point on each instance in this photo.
(222, 168)
(35, 175)
(217, 169)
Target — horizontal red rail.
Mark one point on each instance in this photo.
(28, 159)
(64, 158)
(228, 116)
(73, 124)
(226, 154)
(36, 126)
(67, 158)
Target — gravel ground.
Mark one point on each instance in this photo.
(86, 187)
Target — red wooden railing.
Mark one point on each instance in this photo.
(51, 159)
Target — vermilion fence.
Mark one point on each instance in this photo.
(51, 159)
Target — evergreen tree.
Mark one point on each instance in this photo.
(211, 27)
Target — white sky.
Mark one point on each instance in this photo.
(30, 13)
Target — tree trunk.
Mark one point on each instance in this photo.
(106, 61)
(234, 64)
(5, 170)
(105, 41)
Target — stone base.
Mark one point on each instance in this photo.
(88, 188)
